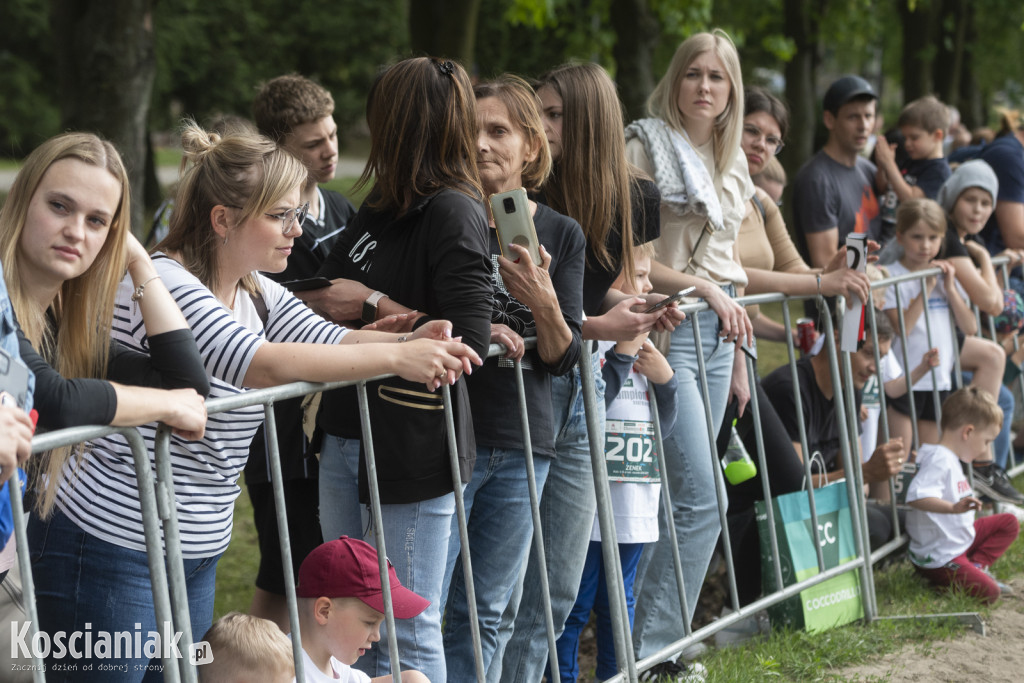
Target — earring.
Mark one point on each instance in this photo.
(225, 239)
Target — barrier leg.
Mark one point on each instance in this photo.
(378, 531)
(538, 531)
(172, 547)
(606, 520)
(277, 482)
(460, 514)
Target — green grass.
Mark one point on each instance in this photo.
(236, 571)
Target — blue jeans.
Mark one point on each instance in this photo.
(416, 536)
(690, 457)
(500, 525)
(567, 515)
(1001, 445)
(81, 580)
(593, 595)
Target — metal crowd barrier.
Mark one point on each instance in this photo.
(160, 520)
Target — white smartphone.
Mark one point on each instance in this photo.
(511, 211)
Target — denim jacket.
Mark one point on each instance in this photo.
(9, 343)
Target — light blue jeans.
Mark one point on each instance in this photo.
(567, 515)
(690, 457)
(416, 537)
(500, 525)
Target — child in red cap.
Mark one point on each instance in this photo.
(341, 608)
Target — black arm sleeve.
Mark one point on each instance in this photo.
(615, 370)
(567, 281)
(67, 402)
(173, 363)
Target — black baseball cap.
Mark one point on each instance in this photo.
(845, 89)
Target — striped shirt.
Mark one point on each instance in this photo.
(102, 497)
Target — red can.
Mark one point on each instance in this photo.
(805, 334)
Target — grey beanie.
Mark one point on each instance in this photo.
(973, 173)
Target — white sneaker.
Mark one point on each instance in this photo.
(1012, 509)
(740, 631)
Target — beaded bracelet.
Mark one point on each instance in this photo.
(140, 291)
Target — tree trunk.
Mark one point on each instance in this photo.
(637, 33)
(972, 108)
(947, 70)
(105, 70)
(801, 21)
(920, 33)
(444, 28)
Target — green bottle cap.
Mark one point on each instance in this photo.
(739, 471)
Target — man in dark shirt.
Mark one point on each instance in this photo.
(833, 193)
(817, 392)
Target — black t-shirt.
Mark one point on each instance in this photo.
(927, 174)
(492, 387)
(953, 247)
(433, 259)
(819, 412)
(597, 279)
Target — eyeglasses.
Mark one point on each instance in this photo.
(755, 133)
(289, 219)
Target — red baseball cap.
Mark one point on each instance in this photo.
(347, 568)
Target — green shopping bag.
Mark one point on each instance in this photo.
(828, 604)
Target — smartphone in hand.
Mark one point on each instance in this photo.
(306, 284)
(668, 301)
(514, 223)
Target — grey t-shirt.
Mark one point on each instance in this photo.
(828, 194)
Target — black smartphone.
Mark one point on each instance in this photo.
(306, 284)
(668, 301)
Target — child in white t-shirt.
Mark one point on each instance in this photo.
(920, 231)
(947, 545)
(630, 369)
(341, 608)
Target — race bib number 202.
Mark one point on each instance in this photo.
(629, 452)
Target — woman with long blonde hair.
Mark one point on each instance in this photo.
(691, 147)
(66, 245)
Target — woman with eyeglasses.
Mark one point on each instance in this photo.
(236, 213)
(766, 251)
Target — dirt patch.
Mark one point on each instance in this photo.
(995, 657)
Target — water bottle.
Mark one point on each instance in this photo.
(736, 462)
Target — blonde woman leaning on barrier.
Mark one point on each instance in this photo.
(236, 213)
(692, 149)
(66, 243)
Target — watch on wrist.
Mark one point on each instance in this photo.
(369, 314)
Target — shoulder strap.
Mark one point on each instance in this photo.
(261, 308)
(760, 207)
